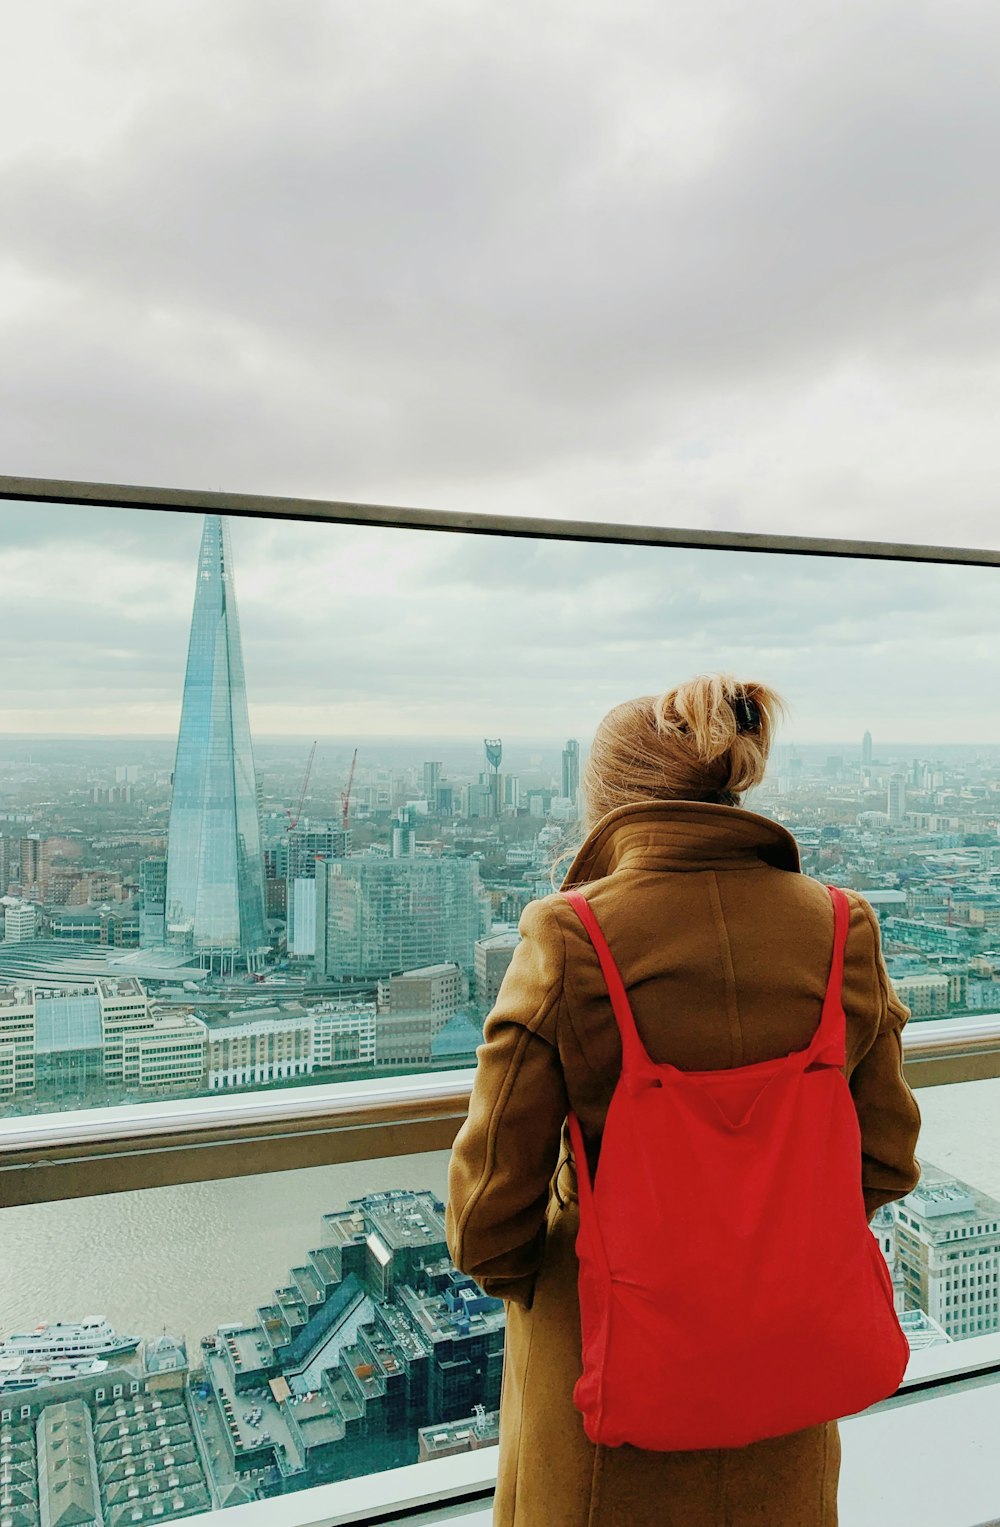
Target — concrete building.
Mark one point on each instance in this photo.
(17, 1041)
(465, 1436)
(61, 1043)
(926, 996)
(20, 920)
(866, 750)
(948, 1245)
(493, 955)
(414, 1006)
(343, 1035)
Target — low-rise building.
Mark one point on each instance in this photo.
(493, 955)
(343, 1034)
(253, 1050)
(414, 1006)
(925, 995)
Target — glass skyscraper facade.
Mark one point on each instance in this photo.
(215, 868)
(377, 916)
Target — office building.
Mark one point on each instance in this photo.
(152, 902)
(866, 750)
(373, 1335)
(8, 859)
(493, 955)
(30, 874)
(69, 1045)
(215, 869)
(301, 849)
(571, 771)
(301, 925)
(17, 1041)
(948, 1245)
(432, 782)
(896, 805)
(111, 926)
(927, 996)
(493, 747)
(377, 916)
(414, 1006)
(20, 920)
(343, 1035)
(258, 1048)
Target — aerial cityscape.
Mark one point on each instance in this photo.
(215, 914)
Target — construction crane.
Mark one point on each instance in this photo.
(293, 816)
(345, 796)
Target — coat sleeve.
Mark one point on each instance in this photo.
(887, 1110)
(507, 1149)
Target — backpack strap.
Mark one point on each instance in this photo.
(829, 1043)
(635, 1058)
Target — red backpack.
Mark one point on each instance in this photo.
(730, 1288)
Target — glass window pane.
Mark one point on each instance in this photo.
(273, 796)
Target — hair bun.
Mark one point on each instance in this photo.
(705, 740)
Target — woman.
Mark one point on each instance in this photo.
(724, 948)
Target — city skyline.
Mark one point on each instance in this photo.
(359, 632)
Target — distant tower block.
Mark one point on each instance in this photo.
(571, 770)
(215, 867)
(494, 753)
(896, 804)
(866, 750)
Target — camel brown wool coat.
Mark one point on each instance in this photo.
(725, 949)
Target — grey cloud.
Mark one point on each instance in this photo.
(445, 250)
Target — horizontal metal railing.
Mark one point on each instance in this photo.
(105, 1150)
(254, 506)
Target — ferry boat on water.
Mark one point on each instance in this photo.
(23, 1372)
(69, 1341)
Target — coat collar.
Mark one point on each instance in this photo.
(680, 835)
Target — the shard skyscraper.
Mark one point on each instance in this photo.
(215, 869)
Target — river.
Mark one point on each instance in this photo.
(187, 1259)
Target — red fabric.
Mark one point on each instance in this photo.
(730, 1288)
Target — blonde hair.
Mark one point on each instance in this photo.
(685, 744)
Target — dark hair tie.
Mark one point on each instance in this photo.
(747, 711)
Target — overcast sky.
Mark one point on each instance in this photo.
(709, 264)
(357, 632)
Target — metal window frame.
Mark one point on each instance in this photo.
(50, 1157)
(257, 505)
